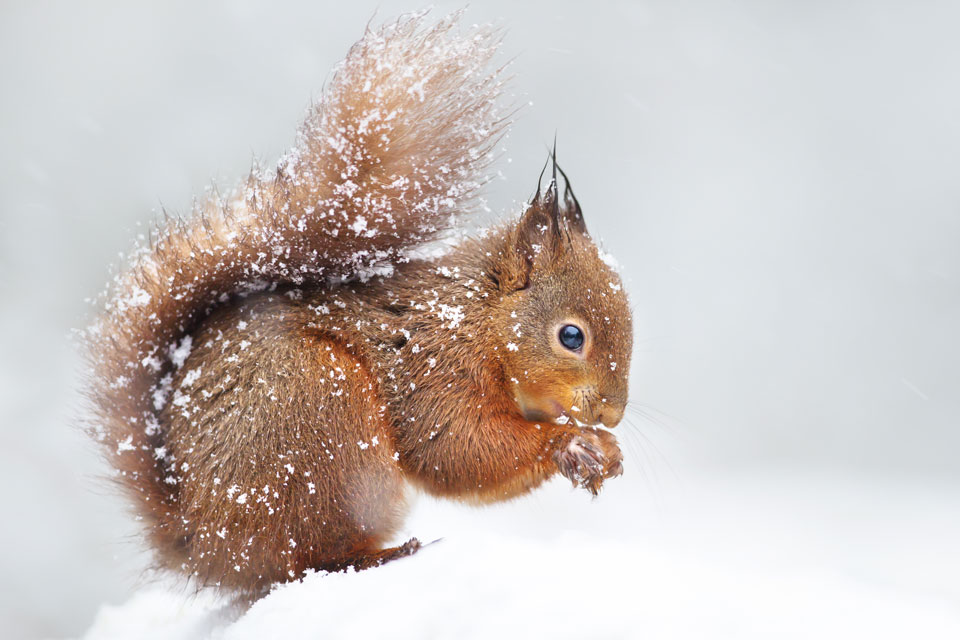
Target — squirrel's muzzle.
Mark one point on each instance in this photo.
(611, 414)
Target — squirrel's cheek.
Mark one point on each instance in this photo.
(537, 406)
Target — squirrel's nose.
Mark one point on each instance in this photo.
(611, 414)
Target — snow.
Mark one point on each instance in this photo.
(180, 352)
(717, 556)
(608, 259)
(192, 376)
(452, 314)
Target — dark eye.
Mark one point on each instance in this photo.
(571, 336)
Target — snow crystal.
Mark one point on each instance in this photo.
(152, 362)
(359, 225)
(180, 399)
(192, 376)
(179, 353)
(382, 269)
(161, 392)
(125, 445)
(137, 298)
(608, 259)
(453, 314)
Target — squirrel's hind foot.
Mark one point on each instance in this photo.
(373, 559)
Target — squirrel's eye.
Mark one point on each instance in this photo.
(571, 336)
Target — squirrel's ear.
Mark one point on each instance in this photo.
(537, 235)
(542, 231)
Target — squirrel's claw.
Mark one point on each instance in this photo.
(613, 470)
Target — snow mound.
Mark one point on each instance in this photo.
(570, 586)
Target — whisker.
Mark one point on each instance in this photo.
(667, 423)
(651, 408)
(647, 465)
(638, 432)
(632, 437)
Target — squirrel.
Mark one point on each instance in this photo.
(269, 374)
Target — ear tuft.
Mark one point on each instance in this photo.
(542, 231)
(572, 212)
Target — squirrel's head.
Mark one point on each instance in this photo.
(564, 320)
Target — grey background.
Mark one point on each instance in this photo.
(779, 181)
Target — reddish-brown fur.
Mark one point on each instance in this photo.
(266, 414)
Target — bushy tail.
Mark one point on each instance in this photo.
(399, 142)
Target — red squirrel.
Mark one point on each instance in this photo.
(271, 372)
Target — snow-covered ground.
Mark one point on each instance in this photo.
(776, 555)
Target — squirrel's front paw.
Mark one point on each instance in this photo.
(611, 453)
(588, 458)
